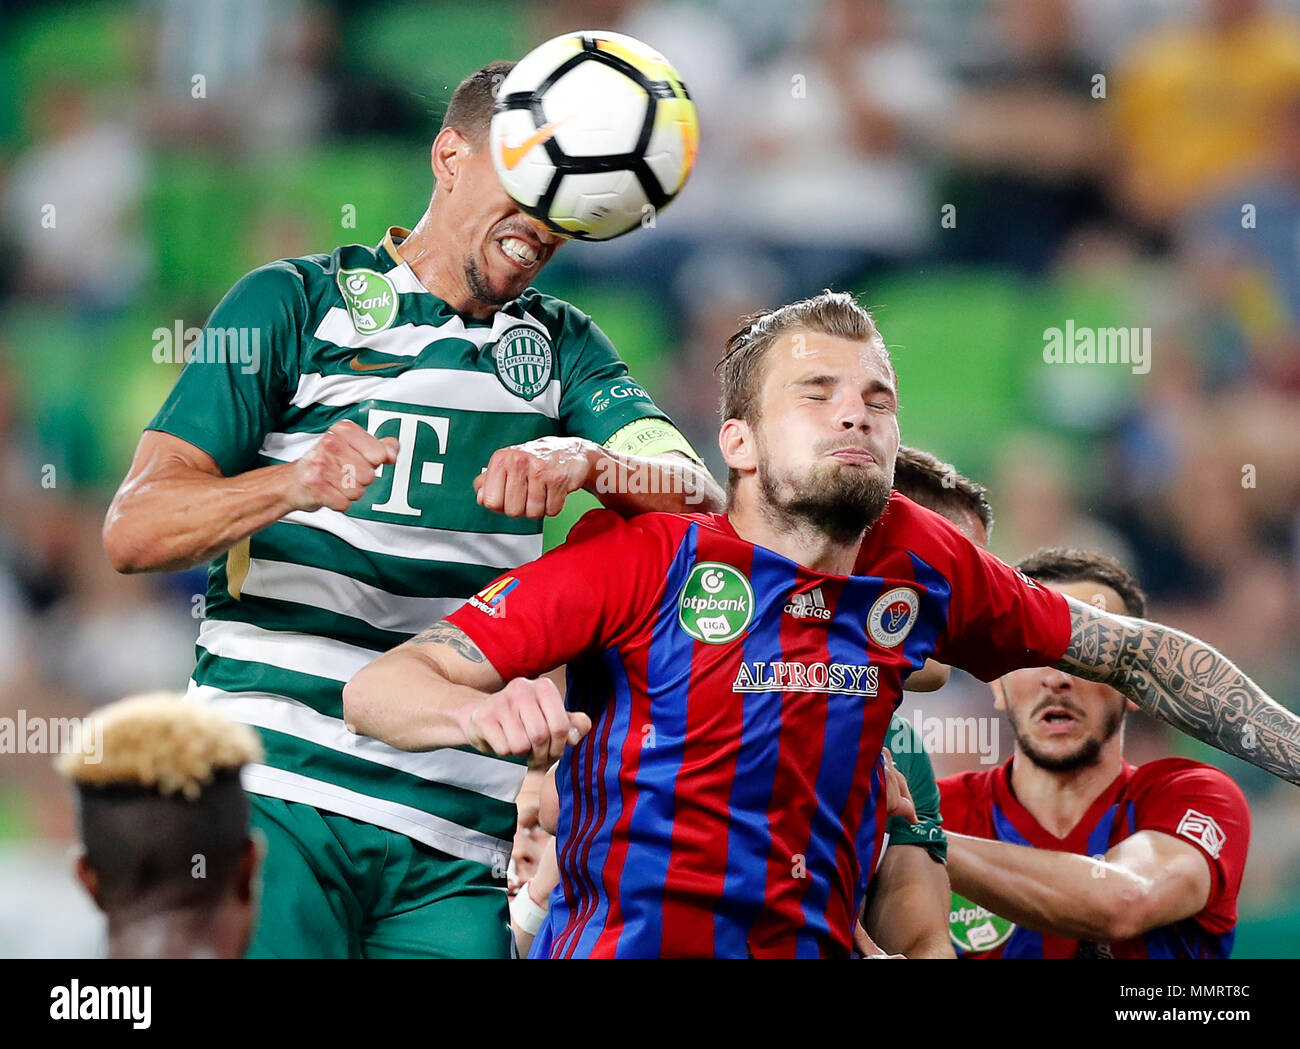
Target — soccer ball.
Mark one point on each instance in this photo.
(593, 134)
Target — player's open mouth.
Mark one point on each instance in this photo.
(520, 253)
(1057, 719)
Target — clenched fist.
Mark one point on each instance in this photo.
(533, 479)
(339, 467)
(525, 717)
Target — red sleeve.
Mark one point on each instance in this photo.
(1202, 805)
(590, 592)
(999, 619)
(959, 803)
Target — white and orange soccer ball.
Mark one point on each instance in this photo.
(594, 133)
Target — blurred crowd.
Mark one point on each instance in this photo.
(979, 171)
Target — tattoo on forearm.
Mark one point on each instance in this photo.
(444, 633)
(1187, 683)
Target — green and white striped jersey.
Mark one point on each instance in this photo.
(295, 610)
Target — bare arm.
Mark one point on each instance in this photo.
(908, 913)
(1147, 880)
(439, 690)
(175, 510)
(672, 483)
(533, 479)
(1185, 682)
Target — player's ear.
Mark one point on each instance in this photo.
(999, 697)
(738, 446)
(250, 859)
(447, 155)
(87, 876)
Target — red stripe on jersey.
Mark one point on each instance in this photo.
(697, 864)
(800, 743)
(636, 654)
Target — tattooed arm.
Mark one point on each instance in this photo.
(439, 690)
(1185, 682)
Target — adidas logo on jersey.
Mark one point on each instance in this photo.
(811, 605)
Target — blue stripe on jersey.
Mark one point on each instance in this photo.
(920, 643)
(575, 765)
(842, 740)
(1023, 943)
(1099, 836)
(749, 837)
(570, 811)
(611, 797)
(865, 844)
(641, 885)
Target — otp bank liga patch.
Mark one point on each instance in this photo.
(974, 928)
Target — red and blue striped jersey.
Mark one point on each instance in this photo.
(1192, 801)
(729, 798)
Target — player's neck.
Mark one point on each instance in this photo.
(172, 934)
(1059, 800)
(803, 544)
(440, 273)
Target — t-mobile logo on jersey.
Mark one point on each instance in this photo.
(408, 429)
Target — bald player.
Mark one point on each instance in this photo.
(166, 852)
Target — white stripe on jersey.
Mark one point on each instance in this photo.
(451, 388)
(434, 831)
(288, 447)
(480, 773)
(302, 653)
(405, 280)
(335, 592)
(490, 549)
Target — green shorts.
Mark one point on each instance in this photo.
(332, 887)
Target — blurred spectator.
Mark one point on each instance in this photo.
(1026, 136)
(1195, 106)
(1258, 221)
(241, 69)
(840, 172)
(72, 206)
(1034, 502)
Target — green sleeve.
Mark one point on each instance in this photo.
(239, 377)
(603, 403)
(914, 763)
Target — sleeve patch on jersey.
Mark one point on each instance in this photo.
(492, 598)
(650, 437)
(1202, 829)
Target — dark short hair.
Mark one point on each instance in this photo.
(470, 108)
(163, 852)
(740, 371)
(1059, 565)
(928, 480)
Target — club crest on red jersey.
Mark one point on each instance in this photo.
(893, 616)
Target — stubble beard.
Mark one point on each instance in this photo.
(838, 501)
(481, 288)
(1087, 754)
